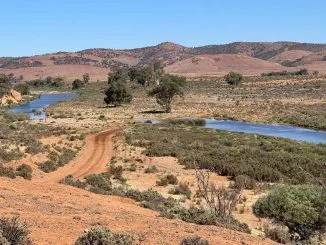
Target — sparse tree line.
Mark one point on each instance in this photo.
(163, 87)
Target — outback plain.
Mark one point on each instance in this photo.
(131, 151)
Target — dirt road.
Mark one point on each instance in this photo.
(58, 214)
(94, 158)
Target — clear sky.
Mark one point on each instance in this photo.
(42, 26)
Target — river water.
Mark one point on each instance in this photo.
(35, 109)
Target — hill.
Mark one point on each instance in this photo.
(250, 58)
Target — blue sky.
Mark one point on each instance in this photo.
(42, 26)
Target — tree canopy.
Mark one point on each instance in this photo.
(117, 92)
(169, 87)
(22, 88)
(147, 75)
(77, 83)
(4, 85)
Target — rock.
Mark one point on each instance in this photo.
(16, 95)
(12, 97)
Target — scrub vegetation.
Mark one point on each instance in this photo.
(261, 158)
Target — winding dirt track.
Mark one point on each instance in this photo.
(57, 214)
(94, 158)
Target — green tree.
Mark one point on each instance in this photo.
(22, 88)
(4, 85)
(117, 92)
(86, 78)
(169, 87)
(147, 75)
(76, 84)
(233, 78)
(301, 208)
(57, 82)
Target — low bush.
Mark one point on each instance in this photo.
(181, 189)
(116, 172)
(244, 182)
(7, 172)
(100, 235)
(194, 240)
(13, 232)
(24, 171)
(167, 179)
(267, 159)
(100, 182)
(233, 78)
(277, 233)
(151, 170)
(188, 122)
(168, 207)
(57, 160)
(69, 180)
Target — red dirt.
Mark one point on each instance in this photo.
(58, 214)
(94, 158)
(222, 64)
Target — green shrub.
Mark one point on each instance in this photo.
(151, 170)
(244, 182)
(181, 189)
(7, 172)
(194, 240)
(13, 232)
(103, 236)
(100, 181)
(116, 172)
(167, 179)
(277, 233)
(168, 207)
(24, 171)
(267, 159)
(77, 83)
(300, 208)
(69, 180)
(233, 78)
(188, 122)
(133, 167)
(48, 166)
(22, 88)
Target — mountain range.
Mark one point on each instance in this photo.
(249, 58)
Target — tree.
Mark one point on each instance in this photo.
(4, 85)
(301, 208)
(23, 88)
(147, 75)
(169, 87)
(57, 82)
(117, 92)
(86, 78)
(158, 68)
(233, 78)
(76, 84)
(143, 76)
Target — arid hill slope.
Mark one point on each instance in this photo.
(98, 62)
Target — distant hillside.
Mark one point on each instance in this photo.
(250, 58)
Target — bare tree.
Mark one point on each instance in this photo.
(220, 200)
